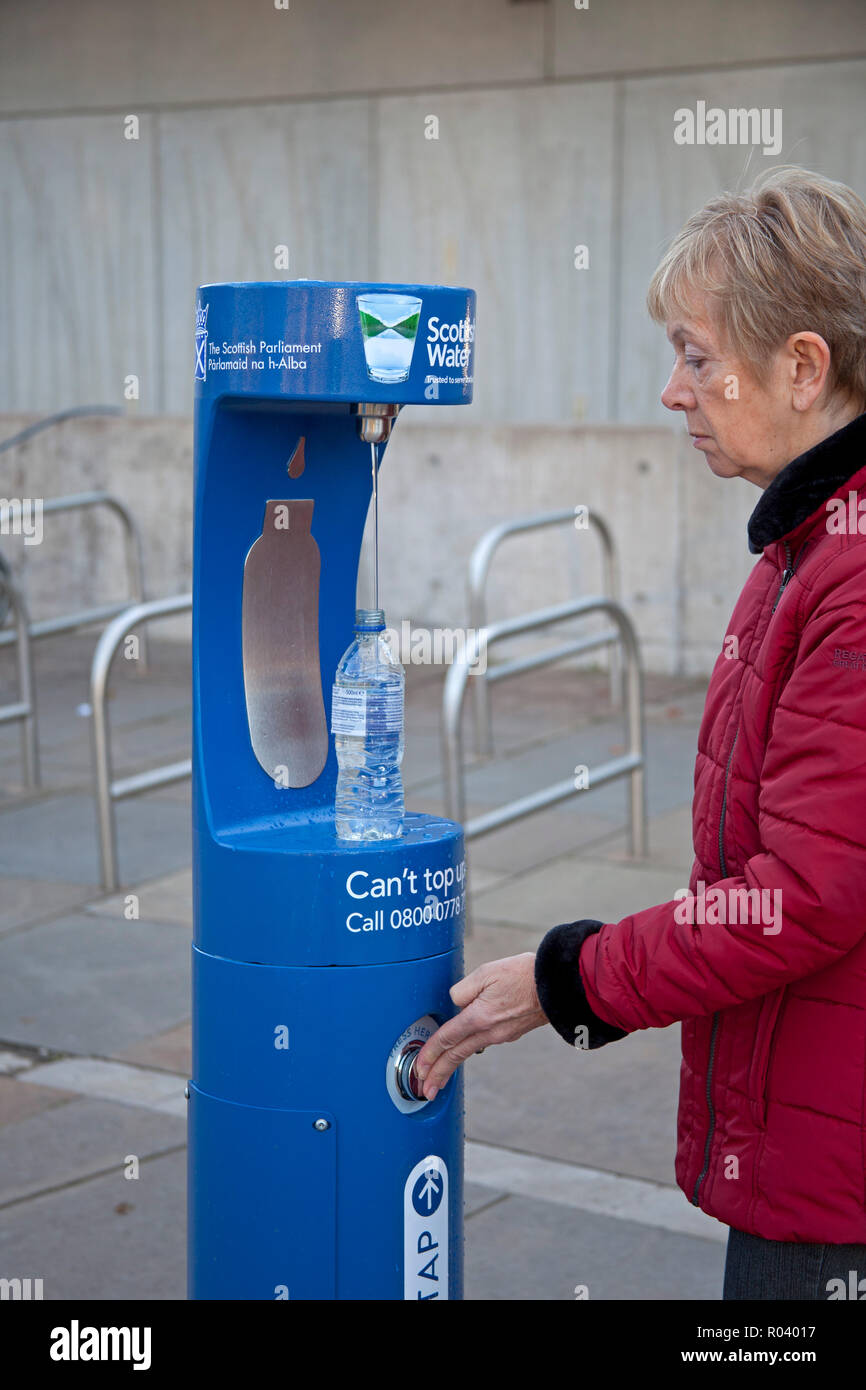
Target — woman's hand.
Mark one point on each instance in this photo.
(498, 1003)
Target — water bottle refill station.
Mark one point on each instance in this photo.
(320, 964)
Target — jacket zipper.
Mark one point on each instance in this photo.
(716, 1016)
(787, 575)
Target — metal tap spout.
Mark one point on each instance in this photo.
(374, 420)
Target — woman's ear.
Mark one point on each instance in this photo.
(809, 365)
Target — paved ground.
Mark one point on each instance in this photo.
(570, 1155)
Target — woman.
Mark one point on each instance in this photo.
(763, 296)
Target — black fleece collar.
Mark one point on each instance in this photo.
(807, 482)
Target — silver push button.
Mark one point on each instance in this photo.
(401, 1080)
(408, 1082)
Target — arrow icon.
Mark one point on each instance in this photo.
(430, 1188)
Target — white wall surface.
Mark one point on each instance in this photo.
(305, 127)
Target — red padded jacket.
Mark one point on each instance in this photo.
(765, 962)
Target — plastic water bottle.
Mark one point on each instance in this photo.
(367, 724)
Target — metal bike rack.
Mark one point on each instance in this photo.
(87, 617)
(6, 582)
(479, 567)
(23, 711)
(630, 764)
(109, 790)
(77, 412)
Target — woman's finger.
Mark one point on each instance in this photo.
(451, 1059)
(449, 1035)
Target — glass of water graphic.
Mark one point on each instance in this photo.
(389, 323)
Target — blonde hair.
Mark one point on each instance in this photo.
(786, 256)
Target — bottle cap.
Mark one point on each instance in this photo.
(369, 620)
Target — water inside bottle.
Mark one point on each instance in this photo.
(367, 724)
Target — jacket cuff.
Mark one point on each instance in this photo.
(560, 988)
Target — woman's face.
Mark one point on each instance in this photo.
(742, 428)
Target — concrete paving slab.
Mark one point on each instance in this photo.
(95, 1076)
(572, 824)
(531, 728)
(61, 727)
(576, 886)
(170, 1051)
(528, 843)
(670, 843)
(68, 1142)
(476, 1197)
(521, 1249)
(557, 697)
(26, 900)
(87, 985)
(134, 696)
(425, 801)
(149, 744)
(67, 723)
(177, 793)
(684, 706)
(422, 759)
(492, 941)
(55, 839)
(19, 1100)
(107, 1238)
(671, 749)
(142, 697)
(11, 785)
(67, 768)
(58, 773)
(546, 760)
(479, 878)
(589, 1189)
(166, 899)
(670, 754)
(613, 1108)
(52, 839)
(14, 1063)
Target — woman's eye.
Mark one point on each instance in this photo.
(695, 361)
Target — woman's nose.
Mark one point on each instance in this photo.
(677, 395)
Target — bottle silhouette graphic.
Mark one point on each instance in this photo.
(280, 624)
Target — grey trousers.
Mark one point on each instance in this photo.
(780, 1269)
